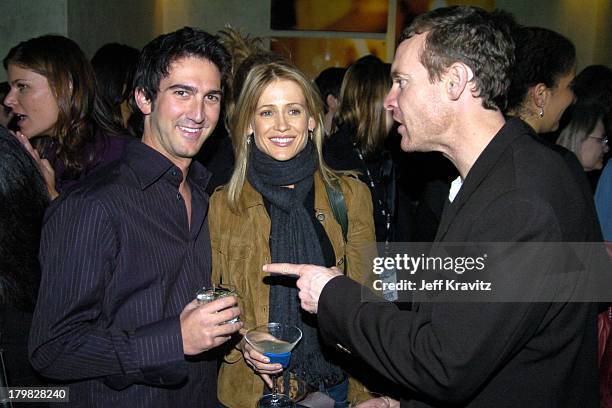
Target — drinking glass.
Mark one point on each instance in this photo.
(275, 341)
(209, 293)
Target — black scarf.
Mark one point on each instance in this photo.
(293, 239)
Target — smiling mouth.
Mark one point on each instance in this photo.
(190, 131)
(282, 141)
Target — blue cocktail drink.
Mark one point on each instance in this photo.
(275, 341)
(279, 358)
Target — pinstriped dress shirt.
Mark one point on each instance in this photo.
(119, 262)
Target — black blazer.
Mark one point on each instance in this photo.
(486, 354)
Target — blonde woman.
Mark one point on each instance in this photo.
(276, 209)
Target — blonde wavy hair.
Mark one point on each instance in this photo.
(256, 81)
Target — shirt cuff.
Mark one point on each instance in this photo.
(153, 355)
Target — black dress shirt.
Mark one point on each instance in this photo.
(119, 263)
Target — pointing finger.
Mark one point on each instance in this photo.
(282, 269)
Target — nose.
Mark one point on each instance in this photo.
(281, 122)
(10, 99)
(390, 101)
(197, 113)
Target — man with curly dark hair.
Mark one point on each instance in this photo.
(124, 254)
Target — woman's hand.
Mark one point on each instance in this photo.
(260, 363)
(43, 165)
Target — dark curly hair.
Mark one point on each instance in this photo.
(475, 37)
(157, 56)
(542, 57)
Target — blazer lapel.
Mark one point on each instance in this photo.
(479, 172)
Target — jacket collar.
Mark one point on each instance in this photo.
(513, 129)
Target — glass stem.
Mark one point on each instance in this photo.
(274, 385)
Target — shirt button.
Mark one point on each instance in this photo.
(178, 196)
(174, 173)
(320, 216)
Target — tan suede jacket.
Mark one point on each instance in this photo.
(240, 246)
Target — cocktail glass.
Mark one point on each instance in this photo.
(275, 341)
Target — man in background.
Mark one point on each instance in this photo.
(329, 83)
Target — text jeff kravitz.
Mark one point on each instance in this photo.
(432, 286)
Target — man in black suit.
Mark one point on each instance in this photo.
(450, 77)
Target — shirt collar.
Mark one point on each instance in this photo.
(454, 189)
(149, 165)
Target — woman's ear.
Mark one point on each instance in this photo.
(312, 124)
(143, 102)
(250, 130)
(540, 95)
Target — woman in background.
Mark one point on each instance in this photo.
(542, 79)
(52, 94)
(541, 88)
(360, 129)
(593, 89)
(585, 136)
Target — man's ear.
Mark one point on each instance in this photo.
(457, 78)
(143, 102)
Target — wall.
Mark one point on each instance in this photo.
(94, 23)
(588, 23)
(252, 16)
(24, 19)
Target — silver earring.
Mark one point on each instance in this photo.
(541, 111)
(310, 133)
(248, 140)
